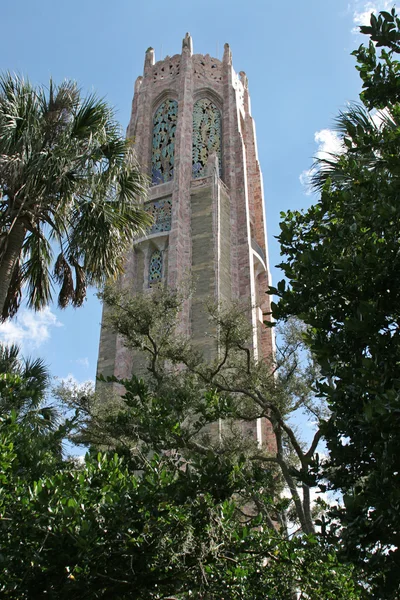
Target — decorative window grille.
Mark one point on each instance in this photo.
(206, 135)
(163, 150)
(161, 211)
(155, 267)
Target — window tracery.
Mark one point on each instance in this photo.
(155, 267)
(161, 211)
(163, 148)
(206, 135)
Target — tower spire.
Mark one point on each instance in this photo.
(227, 58)
(187, 43)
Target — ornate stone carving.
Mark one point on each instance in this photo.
(207, 67)
(206, 135)
(167, 68)
(163, 150)
(155, 267)
(187, 43)
(161, 211)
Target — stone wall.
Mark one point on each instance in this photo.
(203, 266)
(225, 246)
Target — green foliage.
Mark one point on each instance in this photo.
(67, 176)
(380, 74)
(178, 408)
(174, 410)
(98, 531)
(23, 393)
(175, 511)
(341, 260)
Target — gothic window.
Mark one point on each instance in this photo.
(162, 157)
(155, 267)
(206, 135)
(160, 210)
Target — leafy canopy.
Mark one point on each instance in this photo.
(169, 510)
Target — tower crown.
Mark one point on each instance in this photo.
(208, 74)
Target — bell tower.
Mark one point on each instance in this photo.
(194, 135)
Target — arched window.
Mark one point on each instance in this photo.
(206, 135)
(162, 157)
(155, 267)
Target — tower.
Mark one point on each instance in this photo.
(194, 135)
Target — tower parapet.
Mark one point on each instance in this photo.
(195, 137)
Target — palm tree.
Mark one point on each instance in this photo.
(39, 429)
(68, 183)
(23, 388)
(370, 150)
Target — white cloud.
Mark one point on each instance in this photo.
(329, 142)
(29, 329)
(83, 362)
(305, 178)
(71, 382)
(362, 11)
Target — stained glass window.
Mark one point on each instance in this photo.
(160, 210)
(164, 127)
(155, 267)
(206, 135)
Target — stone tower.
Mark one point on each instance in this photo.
(195, 137)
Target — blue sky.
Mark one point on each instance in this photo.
(297, 58)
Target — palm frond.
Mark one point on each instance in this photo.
(42, 419)
(9, 358)
(66, 97)
(360, 134)
(36, 372)
(26, 389)
(38, 256)
(101, 236)
(67, 170)
(80, 283)
(355, 122)
(90, 119)
(63, 276)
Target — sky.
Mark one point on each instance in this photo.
(296, 56)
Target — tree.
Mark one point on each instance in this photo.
(99, 531)
(174, 512)
(341, 260)
(68, 180)
(24, 385)
(172, 413)
(232, 388)
(24, 390)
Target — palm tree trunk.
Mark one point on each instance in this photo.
(14, 242)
